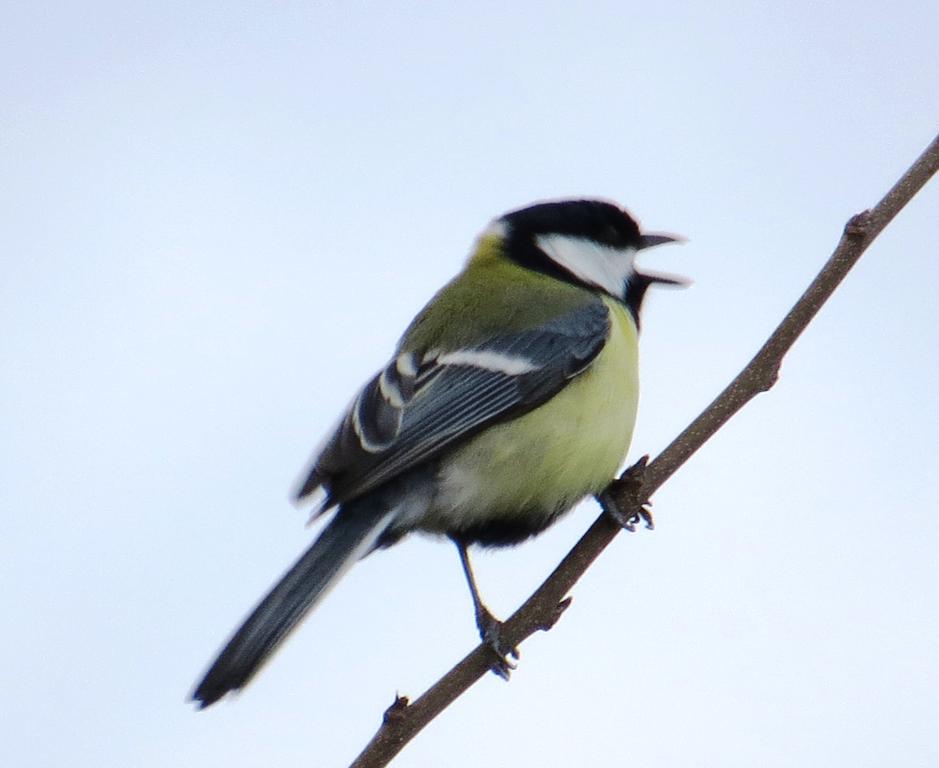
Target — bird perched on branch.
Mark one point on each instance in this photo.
(511, 397)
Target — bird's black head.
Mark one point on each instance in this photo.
(592, 243)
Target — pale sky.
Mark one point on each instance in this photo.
(215, 220)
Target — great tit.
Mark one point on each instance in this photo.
(510, 397)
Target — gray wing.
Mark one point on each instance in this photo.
(424, 402)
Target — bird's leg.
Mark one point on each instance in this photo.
(623, 493)
(490, 628)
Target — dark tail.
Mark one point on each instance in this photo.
(350, 534)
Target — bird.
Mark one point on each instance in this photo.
(511, 396)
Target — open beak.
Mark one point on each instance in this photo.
(651, 240)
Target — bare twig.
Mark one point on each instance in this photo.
(403, 721)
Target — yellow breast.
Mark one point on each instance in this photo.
(542, 463)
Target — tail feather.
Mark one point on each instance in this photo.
(349, 536)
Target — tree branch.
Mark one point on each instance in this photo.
(402, 721)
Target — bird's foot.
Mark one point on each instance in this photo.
(490, 631)
(623, 493)
(642, 515)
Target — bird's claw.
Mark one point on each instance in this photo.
(623, 493)
(642, 515)
(490, 631)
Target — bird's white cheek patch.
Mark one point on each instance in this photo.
(601, 265)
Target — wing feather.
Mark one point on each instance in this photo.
(426, 401)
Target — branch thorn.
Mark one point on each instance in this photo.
(857, 224)
(395, 713)
(556, 614)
